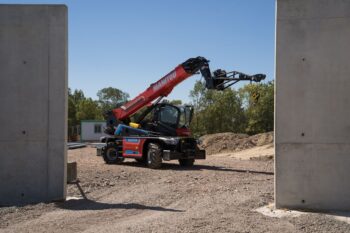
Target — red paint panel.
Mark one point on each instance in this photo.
(133, 147)
(183, 132)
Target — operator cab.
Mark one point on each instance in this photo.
(168, 119)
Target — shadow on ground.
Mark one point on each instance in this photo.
(176, 167)
(87, 204)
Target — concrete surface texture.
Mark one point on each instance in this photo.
(312, 105)
(33, 90)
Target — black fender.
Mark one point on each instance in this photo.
(106, 139)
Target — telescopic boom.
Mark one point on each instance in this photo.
(218, 80)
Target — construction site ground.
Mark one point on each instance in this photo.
(219, 194)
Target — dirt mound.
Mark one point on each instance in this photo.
(231, 142)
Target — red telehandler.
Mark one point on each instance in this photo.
(161, 131)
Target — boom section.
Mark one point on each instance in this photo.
(160, 88)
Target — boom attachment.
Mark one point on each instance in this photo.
(220, 79)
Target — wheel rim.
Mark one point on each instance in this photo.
(111, 154)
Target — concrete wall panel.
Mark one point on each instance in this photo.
(312, 104)
(33, 95)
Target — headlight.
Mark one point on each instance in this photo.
(170, 141)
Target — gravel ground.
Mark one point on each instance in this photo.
(219, 194)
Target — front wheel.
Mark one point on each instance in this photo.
(186, 162)
(110, 154)
(154, 156)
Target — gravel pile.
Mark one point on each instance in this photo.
(231, 142)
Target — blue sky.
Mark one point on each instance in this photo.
(131, 44)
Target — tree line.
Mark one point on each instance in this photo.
(81, 107)
(249, 109)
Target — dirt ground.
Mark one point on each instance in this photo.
(231, 142)
(219, 194)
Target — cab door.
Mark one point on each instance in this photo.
(167, 119)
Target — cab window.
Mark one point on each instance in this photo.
(169, 115)
(185, 117)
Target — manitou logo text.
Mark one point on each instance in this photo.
(158, 85)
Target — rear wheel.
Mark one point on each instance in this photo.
(154, 156)
(186, 162)
(110, 154)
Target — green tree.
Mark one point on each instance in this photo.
(73, 101)
(71, 109)
(176, 102)
(81, 108)
(109, 98)
(259, 111)
(199, 96)
(88, 109)
(216, 111)
(248, 110)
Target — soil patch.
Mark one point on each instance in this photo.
(231, 142)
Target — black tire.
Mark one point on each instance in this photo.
(186, 162)
(141, 160)
(154, 156)
(110, 154)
